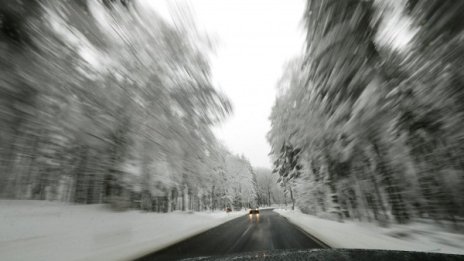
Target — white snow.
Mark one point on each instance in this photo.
(42, 230)
(273, 206)
(417, 236)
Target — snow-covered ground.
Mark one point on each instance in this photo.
(273, 206)
(413, 237)
(41, 230)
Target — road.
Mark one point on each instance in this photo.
(269, 231)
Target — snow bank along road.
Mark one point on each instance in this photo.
(42, 230)
(244, 234)
(415, 236)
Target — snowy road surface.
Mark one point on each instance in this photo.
(242, 234)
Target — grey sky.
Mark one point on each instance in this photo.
(256, 38)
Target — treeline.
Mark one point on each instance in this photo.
(367, 128)
(105, 102)
(268, 191)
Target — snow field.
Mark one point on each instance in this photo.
(42, 230)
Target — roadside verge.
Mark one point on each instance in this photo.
(411, 237)
(43, 230)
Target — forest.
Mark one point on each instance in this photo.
(368, 120)
(106, 102)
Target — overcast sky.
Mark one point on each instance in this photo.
(256, 38)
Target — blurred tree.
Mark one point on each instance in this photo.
(378, 126)
(106, 102)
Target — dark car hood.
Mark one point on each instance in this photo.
(336, 254)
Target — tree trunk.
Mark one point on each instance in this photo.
(169, 199)
(212, 199)
(268, 197)
(393, 192)
(291, 197)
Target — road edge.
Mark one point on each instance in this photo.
(319, 241)
(140, 256)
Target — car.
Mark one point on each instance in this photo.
(253, 215)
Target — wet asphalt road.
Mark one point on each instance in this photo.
(269, 231)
